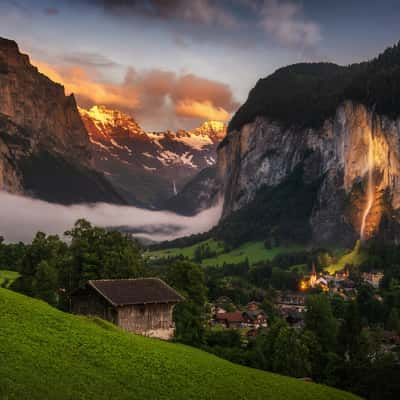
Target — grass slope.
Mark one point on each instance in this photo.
(254, 251)
(47, 354)
(354, 257)
(8, 276)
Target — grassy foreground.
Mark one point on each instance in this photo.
(47, 354)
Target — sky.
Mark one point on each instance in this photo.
(174, 63)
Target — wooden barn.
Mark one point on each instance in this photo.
(142, 306)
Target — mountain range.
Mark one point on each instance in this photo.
(53, 150)
(148, 167)
(313, 155)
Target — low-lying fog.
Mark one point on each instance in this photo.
(21, 217)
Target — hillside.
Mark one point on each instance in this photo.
(53, 355)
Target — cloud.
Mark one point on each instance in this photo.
(203, 12)
(51, 11)
(37, 215)
(78, 81)
(201, 109)
(286, 23)
(157, 98)
(89, 59)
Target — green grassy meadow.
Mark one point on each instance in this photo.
(47, 354)
(8, 276)
(253, 251)
(354, 257)
(256, 252)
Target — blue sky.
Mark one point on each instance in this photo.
(175, 63)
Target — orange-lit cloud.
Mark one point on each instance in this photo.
(158, 98)
(76, 80)
(201, 109)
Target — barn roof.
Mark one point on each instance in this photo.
(135, 291)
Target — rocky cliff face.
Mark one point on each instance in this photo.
(44, 147)
(339, 155)
(32, 101)
(198, 194)
(149, 167)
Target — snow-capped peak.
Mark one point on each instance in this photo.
(105, 118)
(212, 128)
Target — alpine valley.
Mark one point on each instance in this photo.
(95, 155)
(167, 234)
(313, 155)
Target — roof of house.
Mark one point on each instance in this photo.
(121, 292)
(235, 316)
(254, 314)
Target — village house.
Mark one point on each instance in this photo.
(233, 319)
(290, 298)
(241, 319)
(342, 274)
(373, 278)
(255, 318)
(290, 301)
(142, 306)
(253, 306)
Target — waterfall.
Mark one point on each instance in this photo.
(370, 182)
(174, 188)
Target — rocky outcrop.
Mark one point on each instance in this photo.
(43, 141)
(265, 153)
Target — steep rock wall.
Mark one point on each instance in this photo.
(264, 153)
(32, 101)
(44, 147)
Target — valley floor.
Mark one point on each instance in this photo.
(254, 252)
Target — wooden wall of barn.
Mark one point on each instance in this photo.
(89, 302)
(147, 319)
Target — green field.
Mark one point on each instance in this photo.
(253, 251)
(354, 257)
(8, 276)
(47, 354)
(187, 251)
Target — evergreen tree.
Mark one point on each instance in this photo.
(350, 331)
(189, 315)
(319, 319)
